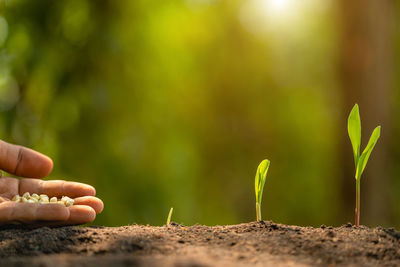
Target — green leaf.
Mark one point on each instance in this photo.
(362, 162)
(354, 130)
(261, 176)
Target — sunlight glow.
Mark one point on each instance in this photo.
(261, 16)
(277, 6)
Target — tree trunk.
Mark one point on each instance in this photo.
(366, 75)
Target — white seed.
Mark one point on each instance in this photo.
(16, 198)
(69, 202)
(43, 199)
(66, 201)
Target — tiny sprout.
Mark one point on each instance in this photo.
(261, 176)
(169, 216)
(360, 161)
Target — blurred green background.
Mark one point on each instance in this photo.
(174, 103)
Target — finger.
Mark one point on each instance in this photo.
(22, 161)
(80, 214)
(30, 212)
(56, 188)
(93, 202)
(9, 187)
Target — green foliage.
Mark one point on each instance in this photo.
(156, 102)
(362, 161)
(261, 176)
(354, 130)
(169, 216)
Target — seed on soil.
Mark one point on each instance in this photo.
(43, 199)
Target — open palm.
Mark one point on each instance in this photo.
(25, 162)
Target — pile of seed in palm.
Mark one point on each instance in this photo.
(43, 199)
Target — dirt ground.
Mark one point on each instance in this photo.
(250, 244)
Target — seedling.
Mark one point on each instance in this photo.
(261, 176)
(169, 216)
(360, 161)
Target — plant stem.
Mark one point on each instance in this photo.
(357, 211)
(258, 211)
(169, 216)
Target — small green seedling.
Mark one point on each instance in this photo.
(169, 216)
(261, 176)
(360, 160)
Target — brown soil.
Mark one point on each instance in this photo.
(255, 244)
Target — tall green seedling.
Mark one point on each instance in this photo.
(261, 176)
(360, 160)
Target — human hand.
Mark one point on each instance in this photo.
(25, 162)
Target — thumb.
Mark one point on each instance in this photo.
(22, 161)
